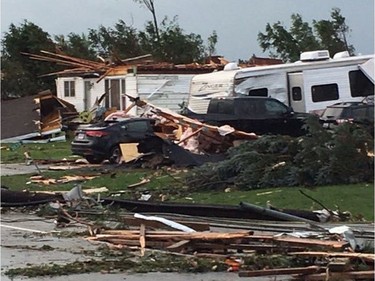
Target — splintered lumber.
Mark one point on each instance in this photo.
(171, 235)
(186, 121)
(142, 239)
(280, 271)
(301, 241)
(350, 275)
(176, 247)
(363, 256)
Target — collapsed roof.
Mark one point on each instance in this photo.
(34, 116)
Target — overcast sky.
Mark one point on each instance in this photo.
(237, 22)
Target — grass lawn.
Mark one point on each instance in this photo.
(357, 198)
(14, 153)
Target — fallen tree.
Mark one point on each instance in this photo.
(321, 157)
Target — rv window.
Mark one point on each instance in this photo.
(360, 85)
(262, 92)
(325, 92)
(296, 93)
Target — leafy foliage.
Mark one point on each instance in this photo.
(173, 45)
(20, 74)
(75, 45)
(120, 42)
(324, 34)
(319, 158)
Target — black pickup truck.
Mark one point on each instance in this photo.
(260, 115)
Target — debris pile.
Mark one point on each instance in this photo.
(308, 250)
(39, 117)
(194, 138)
(323, 257)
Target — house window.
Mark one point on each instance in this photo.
(69, 89)
(325, 92)
(360, 85)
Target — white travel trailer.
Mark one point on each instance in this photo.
(309, 85)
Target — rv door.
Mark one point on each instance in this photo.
(296, 93)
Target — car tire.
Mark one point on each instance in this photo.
(94, 159)
(116, 155)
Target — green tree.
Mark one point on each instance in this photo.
(286, 44)
(20, 74)
(75, 45)
(174, 45)
(212, 41)
(119, 42)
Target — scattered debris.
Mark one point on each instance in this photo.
(63, 179)
(35, 118)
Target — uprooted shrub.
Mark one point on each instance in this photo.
(321, 157)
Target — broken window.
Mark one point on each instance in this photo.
(69, 89)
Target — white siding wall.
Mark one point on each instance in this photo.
(339, 76)
(97, 89)
(167, 91)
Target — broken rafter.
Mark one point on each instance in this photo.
(67, 62)
(76, 60)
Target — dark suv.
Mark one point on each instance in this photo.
(260, 115)
(98, 142)
(354, 112)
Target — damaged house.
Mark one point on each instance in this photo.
(165, 85)
(35, 117)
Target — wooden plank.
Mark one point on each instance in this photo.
(362, 256)
(176, 247)
(301, 241)
(280, 271)
(351, 275)
(175, 235)
(142, 239)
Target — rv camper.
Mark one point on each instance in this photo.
(308, 85)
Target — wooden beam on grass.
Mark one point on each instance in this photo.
(280, 271)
